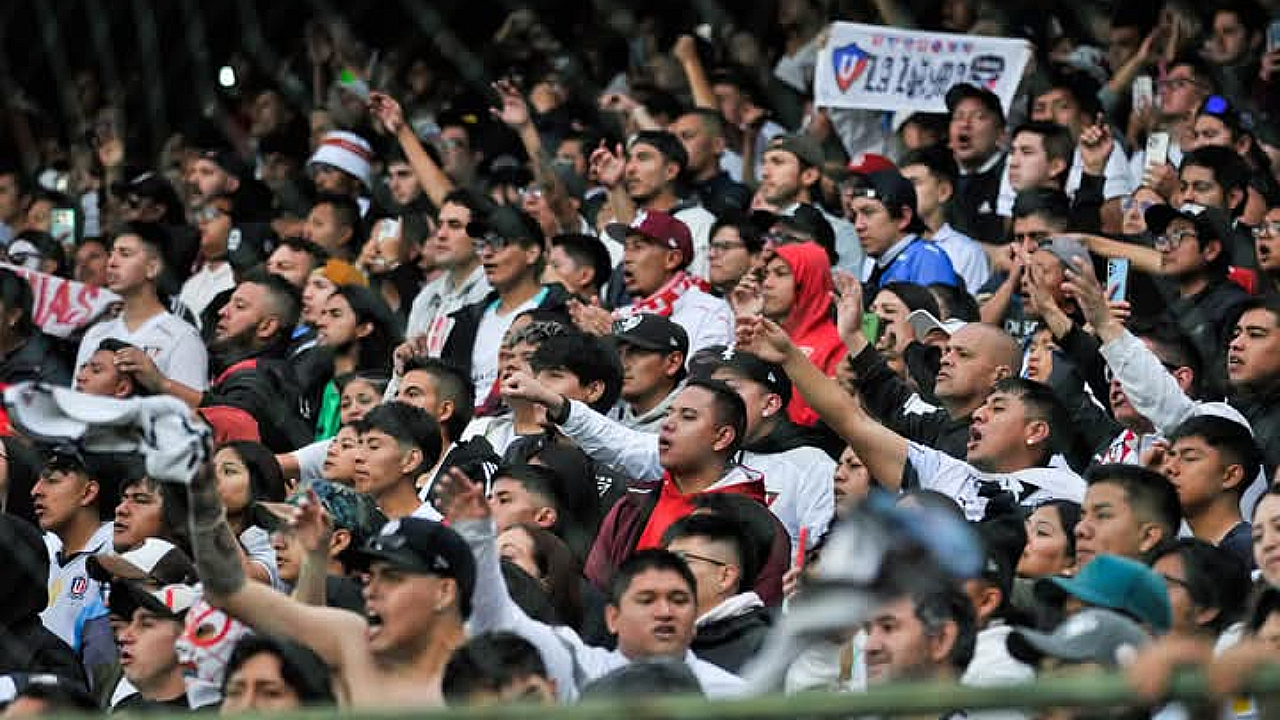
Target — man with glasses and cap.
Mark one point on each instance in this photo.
(419, 594)
(890, 228)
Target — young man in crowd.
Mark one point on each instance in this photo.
(334, 224)
(148, 621)
(702, 132)
(580, 263)
(653, 350)
(100, 376)
(398, 443)
(294, 259)
(446, 395)
(463, 281)
(926, 633)
(1127, 510)
(1039, 157)
(889, 227)
(162, 343)
(933, 173)
(1038, 214)
(792, 169)
(974, 137)
(1211, 461)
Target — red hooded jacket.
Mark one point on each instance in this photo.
(809, 323)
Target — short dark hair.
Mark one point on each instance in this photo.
(1215, 577)
(1229, 169)
(588, 251)
(750, 232)
(1270, 303)
(955, 302)
(536, 479)
(1172, 347)
(729, 407)
(346, 213)
(1149, 493)
(452, 385)
(479, 205)
(938, 602)
(1228, 437)
(666, 143)
(487, 663)
(319, 256)
(1051, 204)
(285, 299)
(940, 161)
(1198, 66)
(1056, 139)
(711, 119)
(915, 297)
(724, 529)
(1040, 403)
(409, 425)
(302, 670)
(153, 235)
(642, 561)
(588, 358)
(1082, 88)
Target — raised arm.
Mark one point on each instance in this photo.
(686, 52)
(883, 451)
(333, 634)
(434, 181)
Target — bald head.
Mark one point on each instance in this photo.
(975, 357)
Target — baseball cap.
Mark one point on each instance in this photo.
(228, 160)
(156, 562)
(1210, 223)
(1093, 635)
(1067, 250)
(924, 322)
(648, 331)
(1117, 583)
(349, 510)
(756, 369)
(891, 189)
(807, 150)
(507, 223)
(962, 91)
(867, 163)
(171, 601)
(659, 227)
(425, 546)
(147, 184)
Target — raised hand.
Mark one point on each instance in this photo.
(415, 346)
(685, 49)
(849, 309)
(514, 112)
(1096, 145)
(763, 338)
(1082, 284)
(591, 319)
(386, 111)
(608, 167)
(747, 298)
(311, 525)
(460, 498)
(519, 385)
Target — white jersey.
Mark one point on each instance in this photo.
(71, 590)
(172, 343)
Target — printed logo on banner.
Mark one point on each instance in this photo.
(848, 63)
(987, 69)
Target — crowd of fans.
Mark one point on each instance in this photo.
(559, 392)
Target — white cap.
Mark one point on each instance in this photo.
(923, 322)
(346, 151)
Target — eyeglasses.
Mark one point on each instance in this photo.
(1171, 241)
(687, 556)
(1039, 237)
(1128, 203)
(490, 241)
(782, 238)
(209, 213)
(531, 191)
(1268, 228)
(724, 246)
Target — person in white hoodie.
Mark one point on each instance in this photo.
(652, 606)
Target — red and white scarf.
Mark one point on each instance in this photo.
(662, 302)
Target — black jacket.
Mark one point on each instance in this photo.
(264, 385)
(1207, 318)
(975, 204)
(466, 324)
(732, 641)
(39, 360)
(885, 396)
(26, 646)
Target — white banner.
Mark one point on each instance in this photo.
(883, 68)
(62, 307)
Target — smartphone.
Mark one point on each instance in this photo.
(1157, 149)
(871, 327)
(62, 225)
(1144, 92)
(1117, 279)
(1273, 36)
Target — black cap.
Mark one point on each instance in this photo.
(805, 219)
(1210, 223)
(754, 368)
(961, 91)
(425, 546)
(147, 184)
(807, 150)
(666, 143)
(228, 160)
(893, 190)
(652, 332)
(508, 224)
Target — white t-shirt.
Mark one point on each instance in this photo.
(71, 590)
(484, 354)
(172, 343)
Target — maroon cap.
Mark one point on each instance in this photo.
(867, 163)
(659, 227)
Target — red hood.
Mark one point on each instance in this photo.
(812, 271)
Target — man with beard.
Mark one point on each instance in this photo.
(249, 367)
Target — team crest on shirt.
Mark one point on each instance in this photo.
(79, 584)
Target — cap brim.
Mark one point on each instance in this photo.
(1158, 217)
(405, 559)
(1053, 590)
(135, 596)
(114, 567)
(642, 343)
(1030, 646)
(763, 219)
(923, 322)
